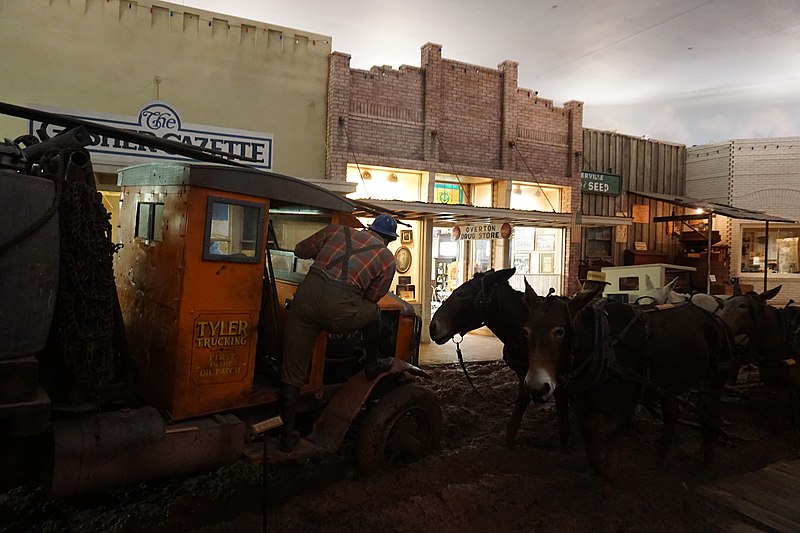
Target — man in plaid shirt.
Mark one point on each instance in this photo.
(352, 270)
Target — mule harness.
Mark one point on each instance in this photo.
(601, 362)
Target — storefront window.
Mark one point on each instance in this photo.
(481, 256)
(384, 184)
(534, 198)
(448, 193)
(781, 256)
(537, 253)
(448, 261)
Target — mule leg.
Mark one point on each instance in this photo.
(562, 412)
(669, 415)
(520, 405)
(602, 414)
(710, 404)
(596, 434)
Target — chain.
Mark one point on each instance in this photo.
(84, 318)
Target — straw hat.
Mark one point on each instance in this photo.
(596, 276)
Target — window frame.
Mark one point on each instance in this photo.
(151, 229)
(590, 237)
(208, 256)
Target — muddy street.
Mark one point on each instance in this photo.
(473, 483)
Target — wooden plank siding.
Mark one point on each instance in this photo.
(644, 165)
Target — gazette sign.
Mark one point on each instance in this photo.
(163, 121)
(601, 183)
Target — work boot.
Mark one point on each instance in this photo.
(289, 397)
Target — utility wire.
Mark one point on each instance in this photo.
(447, 159)
(534, 178)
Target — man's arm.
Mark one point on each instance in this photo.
(380, 285)
(309, 247)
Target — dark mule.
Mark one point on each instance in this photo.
(771, 333)
(487, 299)
(606, 352)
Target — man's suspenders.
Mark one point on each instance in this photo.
(349, 252)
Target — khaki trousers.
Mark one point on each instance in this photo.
(319, 305)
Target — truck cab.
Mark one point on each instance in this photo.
(205, 276)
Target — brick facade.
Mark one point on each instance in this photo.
(447, 116)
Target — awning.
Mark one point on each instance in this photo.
(711, 207)
(453, 214)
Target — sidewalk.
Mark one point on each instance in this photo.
(474, 347)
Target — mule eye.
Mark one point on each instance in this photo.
(558, 332)
(526, 331)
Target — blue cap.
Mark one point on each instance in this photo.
(385, 225)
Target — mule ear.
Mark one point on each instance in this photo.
(648, 283)
(737, 289)
(503, 275)
(530, 294)
(671, 284)
(770, 294)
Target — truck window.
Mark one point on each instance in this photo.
(288, 230)
(233, 230)
(150, 221)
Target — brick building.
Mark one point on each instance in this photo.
(449, 144)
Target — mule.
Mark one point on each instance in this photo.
(610, 355)
(659, 295)
(488, 299)
(771, 333)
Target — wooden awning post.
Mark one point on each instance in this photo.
(708, 255)
(766, 252)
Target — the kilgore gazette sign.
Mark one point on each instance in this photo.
(163, 121)
(601, 183)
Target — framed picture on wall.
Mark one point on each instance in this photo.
(406, 236)
(547, 263)
(522, 262)
(402, 258)
(545, 242)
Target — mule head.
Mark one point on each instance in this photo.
(467, 307)
(549, 331)
(744, 313)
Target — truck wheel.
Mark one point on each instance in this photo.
(403, 426)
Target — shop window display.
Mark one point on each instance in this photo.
(780, 256)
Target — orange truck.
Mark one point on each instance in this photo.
(175, 368)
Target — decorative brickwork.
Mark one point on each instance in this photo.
(448, 115)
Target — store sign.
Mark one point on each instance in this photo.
(163, 121)
(601, 183)
(481, 232)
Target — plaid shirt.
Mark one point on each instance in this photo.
(368, 265)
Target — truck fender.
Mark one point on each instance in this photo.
(332, 425)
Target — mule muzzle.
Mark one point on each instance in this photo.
(540, 386)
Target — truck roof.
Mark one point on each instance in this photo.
(251, 182)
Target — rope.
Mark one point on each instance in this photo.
(464, 367)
